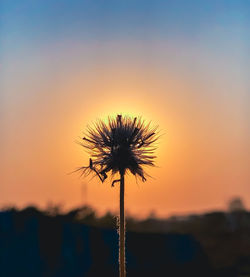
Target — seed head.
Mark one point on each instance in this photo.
(121, 145)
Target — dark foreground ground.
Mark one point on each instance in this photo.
(36, 244)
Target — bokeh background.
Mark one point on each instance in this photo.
(182, 64)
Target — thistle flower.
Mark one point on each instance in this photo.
(122, 145)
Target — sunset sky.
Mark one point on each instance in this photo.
(185, 65)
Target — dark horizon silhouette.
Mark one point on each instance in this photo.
(78, 243)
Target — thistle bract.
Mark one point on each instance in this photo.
(120, 145)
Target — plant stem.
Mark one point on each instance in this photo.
(122, 229)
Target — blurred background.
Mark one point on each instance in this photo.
(183, 65)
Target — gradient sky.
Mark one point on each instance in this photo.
(185, 65)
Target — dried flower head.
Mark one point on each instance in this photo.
(123, 144)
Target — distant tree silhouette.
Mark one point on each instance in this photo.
(236, 205)
(53, 209)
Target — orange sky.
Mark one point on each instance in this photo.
(195, 89)
(202, 158)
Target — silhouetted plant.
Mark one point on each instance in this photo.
(122, 145)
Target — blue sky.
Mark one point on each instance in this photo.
(49, 20)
